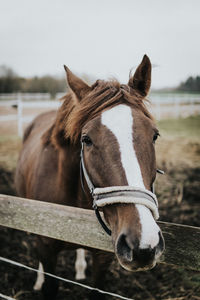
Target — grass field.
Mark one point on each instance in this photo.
(186, 128)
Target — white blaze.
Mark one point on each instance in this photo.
(119, 120)
(150, 230)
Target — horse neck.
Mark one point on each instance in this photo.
(69, 176)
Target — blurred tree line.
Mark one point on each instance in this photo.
(10, 82)
(192, 84)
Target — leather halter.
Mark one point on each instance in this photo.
(117, 194)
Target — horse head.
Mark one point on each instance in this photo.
(118, 134)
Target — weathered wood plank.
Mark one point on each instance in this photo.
(79, 226)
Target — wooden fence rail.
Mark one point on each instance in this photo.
(79, 226)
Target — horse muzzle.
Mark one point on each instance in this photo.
(136, 249)
(132, 257)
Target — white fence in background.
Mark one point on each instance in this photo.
(31, 104)
(174, 105)
(31, 101)
(163, 105)
(26, 96)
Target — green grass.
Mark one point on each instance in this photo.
(187, 128)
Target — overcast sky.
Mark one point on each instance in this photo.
(101, 38)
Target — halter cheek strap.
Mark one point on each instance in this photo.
(118, 194)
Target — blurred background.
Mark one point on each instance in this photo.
(103, 40)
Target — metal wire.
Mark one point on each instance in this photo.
(59, 278)
(6, 297)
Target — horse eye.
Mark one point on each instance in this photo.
(87, 140)
(155, 137)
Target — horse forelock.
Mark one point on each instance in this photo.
(74, 114)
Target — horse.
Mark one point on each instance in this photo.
(108, 124)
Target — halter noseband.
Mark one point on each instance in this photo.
(118, 194)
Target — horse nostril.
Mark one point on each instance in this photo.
(129, 251)
(144, 256)
(123, 248)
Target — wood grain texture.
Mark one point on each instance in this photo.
(80, 226)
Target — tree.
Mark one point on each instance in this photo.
(9, 80)
(192, 84)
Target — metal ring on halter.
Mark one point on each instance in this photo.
(117, 194)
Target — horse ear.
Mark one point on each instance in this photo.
(78, 86)
(141, 81)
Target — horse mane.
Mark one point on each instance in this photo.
(74, 114)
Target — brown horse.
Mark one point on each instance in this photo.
(117, 135)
